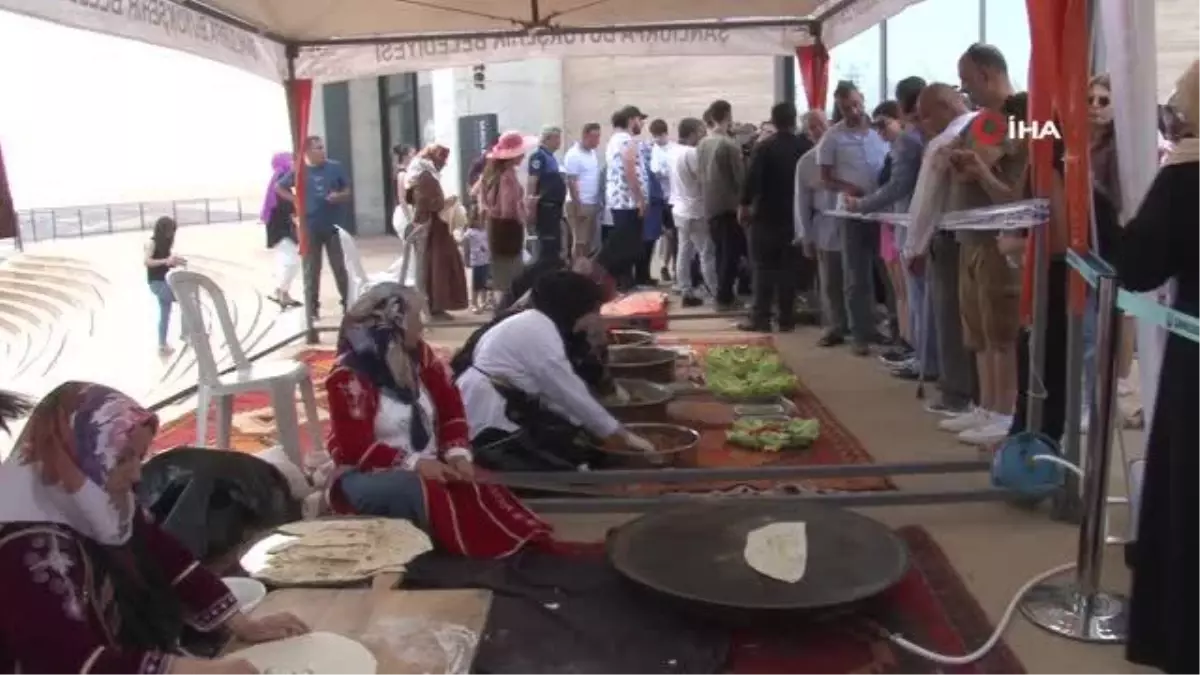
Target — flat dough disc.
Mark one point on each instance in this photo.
(318, 653)
(779, 551)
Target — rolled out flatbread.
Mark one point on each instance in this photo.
(317, 653)
(779, 551)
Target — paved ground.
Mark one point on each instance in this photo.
(995, 548)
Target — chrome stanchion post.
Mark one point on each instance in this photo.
(1075, 606)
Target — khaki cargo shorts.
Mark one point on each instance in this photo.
(582, 218)
(989, 296)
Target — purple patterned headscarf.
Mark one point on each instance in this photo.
(281, 165)
(59, 469)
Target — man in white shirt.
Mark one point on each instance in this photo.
(687, 203)
(627, 197)
(582, 166)
(943, 116)
(661, 155)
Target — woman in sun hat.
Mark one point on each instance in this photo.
(502, 203)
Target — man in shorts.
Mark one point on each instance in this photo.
(987, 173)
(582, 167)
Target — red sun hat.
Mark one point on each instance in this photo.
(510, 146)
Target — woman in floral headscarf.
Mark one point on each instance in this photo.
(90, 583)
(441, 276)
(399, 435)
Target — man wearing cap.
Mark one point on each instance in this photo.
(626, 190)
(547, 193)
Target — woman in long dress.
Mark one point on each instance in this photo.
(1159, 245)
(502, 202)
(399, 435)
(441, 275)
(91, 585)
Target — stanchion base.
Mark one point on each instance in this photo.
(1058, 605)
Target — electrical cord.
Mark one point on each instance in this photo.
(1006, 618)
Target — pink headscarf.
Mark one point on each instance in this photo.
(281, 165)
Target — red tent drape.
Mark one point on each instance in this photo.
(813, 63)
(8, 212)
(299, 96)
(1060, 49)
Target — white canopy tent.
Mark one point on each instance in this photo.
(331, 40)
(301, 41)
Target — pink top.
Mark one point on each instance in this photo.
(506, 200)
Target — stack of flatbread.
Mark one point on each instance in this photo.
(342, 551)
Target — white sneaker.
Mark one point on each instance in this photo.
(977, 417)
(993, 432)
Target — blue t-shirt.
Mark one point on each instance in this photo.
(551, 186)
(320, 215)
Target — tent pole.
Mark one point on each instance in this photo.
(297, 130)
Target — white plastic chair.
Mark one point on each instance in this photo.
(280, 377)
(359, 280)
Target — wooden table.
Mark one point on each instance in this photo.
(407, 631)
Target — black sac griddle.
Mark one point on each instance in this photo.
(694, 555)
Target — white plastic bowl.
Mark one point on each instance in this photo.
(249, 592)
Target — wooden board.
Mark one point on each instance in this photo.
(407, 631)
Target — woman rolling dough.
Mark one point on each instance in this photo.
(90, 583)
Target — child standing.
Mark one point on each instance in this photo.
(479, 258)
(159, 260)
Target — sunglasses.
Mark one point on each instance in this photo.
(1099, 101)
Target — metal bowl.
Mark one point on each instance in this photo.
(675, 446)
(624, 337)
(649, 402)
(641, 362)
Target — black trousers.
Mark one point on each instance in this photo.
(1054, 407)
(642, 269)
(622, 248)
(549, 230)
(773, 263)
(730, 241)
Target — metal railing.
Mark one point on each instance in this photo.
(42, 224)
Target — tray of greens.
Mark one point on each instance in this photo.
(747, 373)
(774, 434)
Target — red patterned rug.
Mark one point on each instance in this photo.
(254, 429)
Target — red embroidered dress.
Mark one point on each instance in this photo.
(59, 613)
(477, 519)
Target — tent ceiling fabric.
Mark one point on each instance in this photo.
(322, 20)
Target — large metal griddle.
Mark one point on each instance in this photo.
(695, 555)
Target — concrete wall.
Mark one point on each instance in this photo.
(666, 86)
(1177, 24)
(370, 201)
(528, 95)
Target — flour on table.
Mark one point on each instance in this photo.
(779, 551)
(317, 653)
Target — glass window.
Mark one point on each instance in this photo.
(928, 38)
(1006, 26)
(857, 60)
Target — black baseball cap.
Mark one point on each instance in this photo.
(632, 111)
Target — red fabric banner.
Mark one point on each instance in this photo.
(299, 95)
(813, 63)
(1058, 75)
(8, 212)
